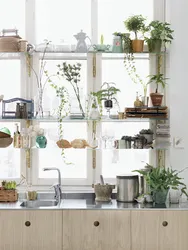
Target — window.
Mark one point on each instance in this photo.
(58, 21)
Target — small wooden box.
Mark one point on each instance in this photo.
(8, 195)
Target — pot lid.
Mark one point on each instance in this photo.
(127, 176)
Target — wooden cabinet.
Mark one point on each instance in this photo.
(31, 230)
(96, 229)
(159, 230)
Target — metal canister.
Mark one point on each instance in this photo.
(127, 188)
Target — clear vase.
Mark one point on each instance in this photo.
(39, 104)
(94, 109)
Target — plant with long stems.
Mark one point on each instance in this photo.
(41, 83)
(72, 74)
(62, 94)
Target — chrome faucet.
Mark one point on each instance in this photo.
(57, 187)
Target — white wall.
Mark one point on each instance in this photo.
(177, 70)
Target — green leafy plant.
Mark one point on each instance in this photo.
(159, 31)
(135, 24)
(158, 79)
(108, 91)
(71, 73)
(161, 179)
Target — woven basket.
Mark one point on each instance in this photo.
(5, 142)
(8, 195)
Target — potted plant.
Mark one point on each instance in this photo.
(136, 24)
(107, 93)
(148, 134)
(160, 180)
(159, 32)
(156, 97)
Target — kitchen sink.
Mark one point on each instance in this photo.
(39, 203)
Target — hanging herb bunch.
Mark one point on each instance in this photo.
(72, 74)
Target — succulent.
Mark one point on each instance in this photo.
(3, 183)
(10, 185)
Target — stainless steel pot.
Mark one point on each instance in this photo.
(127, 188)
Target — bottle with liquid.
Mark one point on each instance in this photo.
(25, 139)
(137, 102)
(17, 137)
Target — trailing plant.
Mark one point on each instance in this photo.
(72, 74)
(158, 79)
(161, 179)
(159, 31)
(62, 94)
(135, 24)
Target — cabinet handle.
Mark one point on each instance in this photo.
(96, 223)
(28, 223)
(165, 223)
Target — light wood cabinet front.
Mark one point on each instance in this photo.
(159, 230)
(31, 230)
(96, 230)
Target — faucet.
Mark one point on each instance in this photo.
(57, 187)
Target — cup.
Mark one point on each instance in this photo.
(121, 115)
(119, 144)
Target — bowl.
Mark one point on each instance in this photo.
(5, 142)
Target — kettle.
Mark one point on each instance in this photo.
(81, 44)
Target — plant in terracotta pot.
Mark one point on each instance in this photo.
(107, 93)
(136, 24)
(156, 97)
(159, 33)
(160, 180)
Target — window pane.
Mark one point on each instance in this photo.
(9, 157)
(13, 15)
(62, 19)
(113, 13)
(123, 161)
(51, 156)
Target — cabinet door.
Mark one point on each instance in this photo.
(96, 229)
(159, 230)
(45, 230)
(31, 230)
(12, 233)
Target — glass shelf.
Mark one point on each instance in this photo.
(59, 54)
(89, 149)
(53, 119)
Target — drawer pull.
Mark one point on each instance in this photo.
(28, 223)
(96, 223)
(165, 223)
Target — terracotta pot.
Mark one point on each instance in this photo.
(137, 45)
(156, 99)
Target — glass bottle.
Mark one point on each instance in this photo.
(17, 137)
(25, 138)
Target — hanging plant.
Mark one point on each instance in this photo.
(62, 94)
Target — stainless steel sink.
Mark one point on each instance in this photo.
(39, 203)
